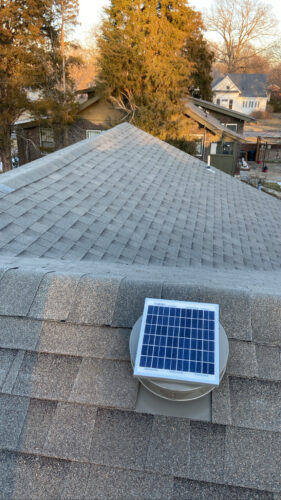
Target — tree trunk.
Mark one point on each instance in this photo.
(5, 151)
(65, 136)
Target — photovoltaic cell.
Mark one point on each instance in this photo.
(179, 340)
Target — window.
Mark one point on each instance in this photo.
(227, 87)
(230, 103)
(218, 102)
(222, 148)
(231, 126)
(92, 133)
(47, 139)
(198, 142)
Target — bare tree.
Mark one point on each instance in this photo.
(245, 28)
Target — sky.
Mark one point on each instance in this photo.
(91, 11)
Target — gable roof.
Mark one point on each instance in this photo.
(250, 85)
(221, 109)
(210, 122)
(156, 223)
(90, 102)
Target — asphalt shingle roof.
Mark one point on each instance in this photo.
(128, 197)
(69, 425)
(250, 85)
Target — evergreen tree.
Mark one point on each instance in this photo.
(146, 63)
(203, 58)
(58, 100)
(21, 49)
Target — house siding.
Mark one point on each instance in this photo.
(100, 116)
(102, 113)
(244, 99)
(241, 104)
(229, 120)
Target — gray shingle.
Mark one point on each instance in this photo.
(94, 301)
(17, 292)
(70, 434)
(6, 359)
(83, 340)
(36, 426)
(266, 319)
(18, 333)
(112, 483)
(54, 297)
(39, 478)
(130, 300)
(252, 459)
(235, 313)
(121, 439)
(105, 383)
(47, 376)
(168, 452)
(179, 291)
(76, 481)
(13, 411)
(221, 408)
(207, 449)
(13, 372)
(8, 462)
(255, 404)
(242, 359)
(269, 362)
(185, 489)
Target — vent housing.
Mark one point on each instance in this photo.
(160, 382)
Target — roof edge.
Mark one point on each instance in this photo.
(99, 294)
(221, 109)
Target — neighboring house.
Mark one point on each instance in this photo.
(210, 124)
(95, 114)
(242, 92)
(218, 133)
(87, 233)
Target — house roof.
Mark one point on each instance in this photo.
(222, 110)
(32, 122)
(250, 85)
(202, 116)
(76, 211)
(156, 223)
(90, 102)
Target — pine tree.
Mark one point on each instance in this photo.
(58, 100)
(203, 58)
(145, 62)
(21, 49)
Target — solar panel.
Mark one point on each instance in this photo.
(179, 341)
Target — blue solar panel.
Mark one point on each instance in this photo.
(179, 340)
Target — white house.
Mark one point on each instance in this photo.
(241, 92)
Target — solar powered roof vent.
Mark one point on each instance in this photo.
(178, 349)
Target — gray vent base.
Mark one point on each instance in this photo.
(198, 409)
